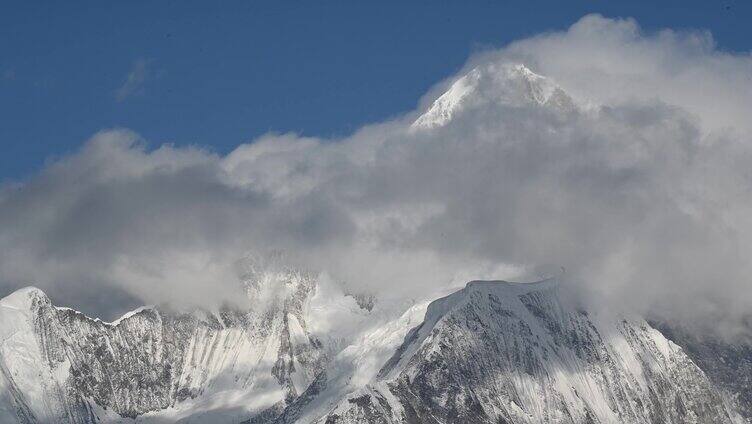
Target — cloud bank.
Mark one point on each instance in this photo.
(621, 156)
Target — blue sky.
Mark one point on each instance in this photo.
(189, 72)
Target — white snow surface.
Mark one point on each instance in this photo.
(511, 84)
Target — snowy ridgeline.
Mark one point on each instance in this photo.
(493, 352)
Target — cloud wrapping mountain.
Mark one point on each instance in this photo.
(622, 157)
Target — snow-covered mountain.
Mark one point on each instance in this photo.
(306, 349)
(59, 365)
(492, 352)
(497, 352)
(494, 84)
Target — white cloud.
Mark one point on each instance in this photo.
(634, 177)
(134, 81)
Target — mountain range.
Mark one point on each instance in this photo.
(306, 349)
(492, 352)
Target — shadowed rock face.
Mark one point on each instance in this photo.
(142, 364)
(727, 364)
(500, 353)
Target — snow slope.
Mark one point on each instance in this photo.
(507, 84)
(59, 365)
(499, 352)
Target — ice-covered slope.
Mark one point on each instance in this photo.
(498, 352)
(490, 85)
(59, 365)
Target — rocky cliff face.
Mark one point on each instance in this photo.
(493, 352)
(727, 363)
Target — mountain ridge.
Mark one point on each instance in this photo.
(547, 361)
(604, 389)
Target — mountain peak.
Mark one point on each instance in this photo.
(501, 285)
(23, 298)
(510, 84)
(519, 353)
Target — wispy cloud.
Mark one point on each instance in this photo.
(134, 81)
